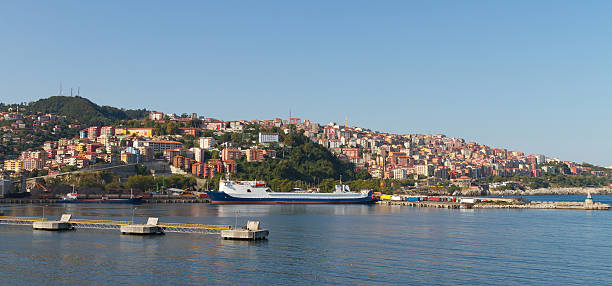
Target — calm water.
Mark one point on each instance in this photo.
(319, 244)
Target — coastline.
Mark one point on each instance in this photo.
(553, 191)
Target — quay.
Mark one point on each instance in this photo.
(490, 203)
(43, 223)
(426, 204)
(145, 200)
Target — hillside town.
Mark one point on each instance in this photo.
(435, 158)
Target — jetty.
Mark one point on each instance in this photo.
(490, 203)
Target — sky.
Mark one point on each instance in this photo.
(533, 76)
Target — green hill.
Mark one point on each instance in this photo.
(85, 111)
(303, 161)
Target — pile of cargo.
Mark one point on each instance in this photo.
(447, 199)
(424, 198)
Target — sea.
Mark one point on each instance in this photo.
(317, 244)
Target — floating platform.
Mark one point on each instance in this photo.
(36, 222)
(150, 227)
(62, 224)
(250, 232)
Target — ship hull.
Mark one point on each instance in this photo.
(223, 198)
(101, 201)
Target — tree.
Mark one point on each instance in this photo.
(172, 128)
(141, 182)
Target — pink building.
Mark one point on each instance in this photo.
(93, 132)
(107, 131)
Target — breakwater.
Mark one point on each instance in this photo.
(498, 203)
(552, 191)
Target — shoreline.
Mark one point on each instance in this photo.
(144, 201)
(514, 204)
(553, 191)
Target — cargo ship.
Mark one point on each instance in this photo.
(73, 198)
(256, 192)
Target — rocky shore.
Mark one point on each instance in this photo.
(553, 191)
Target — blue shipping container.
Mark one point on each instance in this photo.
(412, 199)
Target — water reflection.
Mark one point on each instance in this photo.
(322, 244)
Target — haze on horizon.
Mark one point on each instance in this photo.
(523, 75)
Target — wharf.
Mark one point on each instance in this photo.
(501, 205)
(427, 204)
(145, 200)
(547, 205)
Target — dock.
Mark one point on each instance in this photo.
(62, 224)
(150, 227)
(157, 199)
(499, 203)
(427, 204)
(114, 225)
(250, 232)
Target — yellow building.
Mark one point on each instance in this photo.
(13, 165)
(120, 131)
(128, 158)
(142, 132)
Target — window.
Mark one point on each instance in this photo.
(248, 190)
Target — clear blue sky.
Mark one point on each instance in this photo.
(534, 76)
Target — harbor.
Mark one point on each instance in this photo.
(430, 240)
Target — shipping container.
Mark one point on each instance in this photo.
(467, 200)
(385, 197)
(435, 199)
(412, 199)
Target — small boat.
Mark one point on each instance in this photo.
(73, 198)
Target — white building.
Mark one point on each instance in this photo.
(161, 145)
(156, 115)
(400, 174)
(198, 154)
(268, 137)
(207, 142)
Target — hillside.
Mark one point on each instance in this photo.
(302, 160)
(83, 110)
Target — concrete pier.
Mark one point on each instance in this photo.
(250, 232)
(427, 204)
(500, 203)
(62, 224)
(150, 227)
